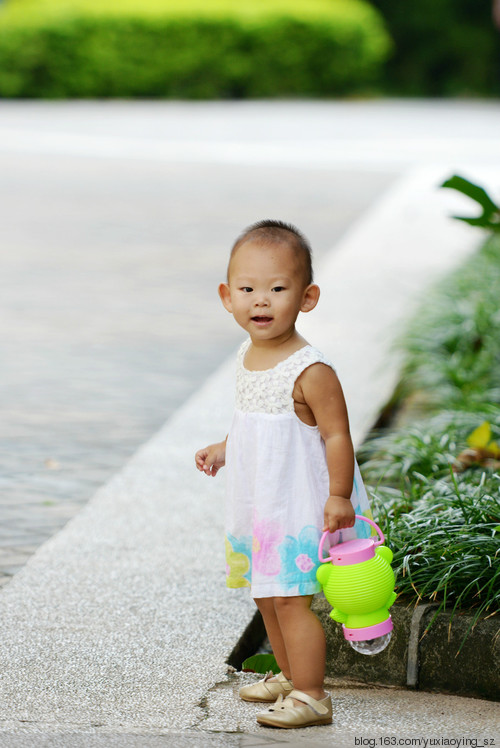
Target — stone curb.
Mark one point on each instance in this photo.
(431, 660)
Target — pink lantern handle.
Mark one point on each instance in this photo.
(358, 516)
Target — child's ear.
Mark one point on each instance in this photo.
(310, 298)
(225, 295)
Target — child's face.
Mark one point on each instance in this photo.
(266, 290)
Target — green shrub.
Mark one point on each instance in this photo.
(444, 527)
(442, 47)
(453, 345)
(236, 50)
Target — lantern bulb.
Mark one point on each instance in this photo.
(372, 646)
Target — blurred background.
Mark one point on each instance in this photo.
(248, 48)
(136, 140)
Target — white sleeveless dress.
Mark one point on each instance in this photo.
(277, 484)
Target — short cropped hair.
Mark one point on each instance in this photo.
(271, 232)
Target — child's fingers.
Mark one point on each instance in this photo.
(201, 460)
(331, 525)
(209, 460)
(204, 463)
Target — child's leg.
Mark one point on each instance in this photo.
(304, 641)
(266, 607)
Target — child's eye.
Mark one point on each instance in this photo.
(246, 289)
(277, 289)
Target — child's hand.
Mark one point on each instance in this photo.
(210, 459)
(339, 514)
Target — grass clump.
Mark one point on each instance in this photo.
(445, 535)
(435, 487)
(453, 345)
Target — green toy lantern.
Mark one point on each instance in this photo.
(358, 582)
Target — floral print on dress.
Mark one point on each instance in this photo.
(267, 536)
(299, 557)
(238, 567)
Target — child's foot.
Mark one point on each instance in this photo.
(285, 713)
(268, 689)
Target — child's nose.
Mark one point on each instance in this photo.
(262, 301)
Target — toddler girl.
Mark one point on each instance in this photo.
(291, 471)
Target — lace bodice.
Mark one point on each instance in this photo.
(270, 391)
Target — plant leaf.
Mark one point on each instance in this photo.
(480, 436)
(490, 217)
(260, 663)
(494, 449)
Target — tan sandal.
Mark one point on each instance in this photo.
(267, 690)
(284, 713)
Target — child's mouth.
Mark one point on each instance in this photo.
(262, 320)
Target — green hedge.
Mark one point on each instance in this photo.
(442, 47)
(322, 48)
(443, 525)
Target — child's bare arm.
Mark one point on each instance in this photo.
(210, 459)
(322, 392)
